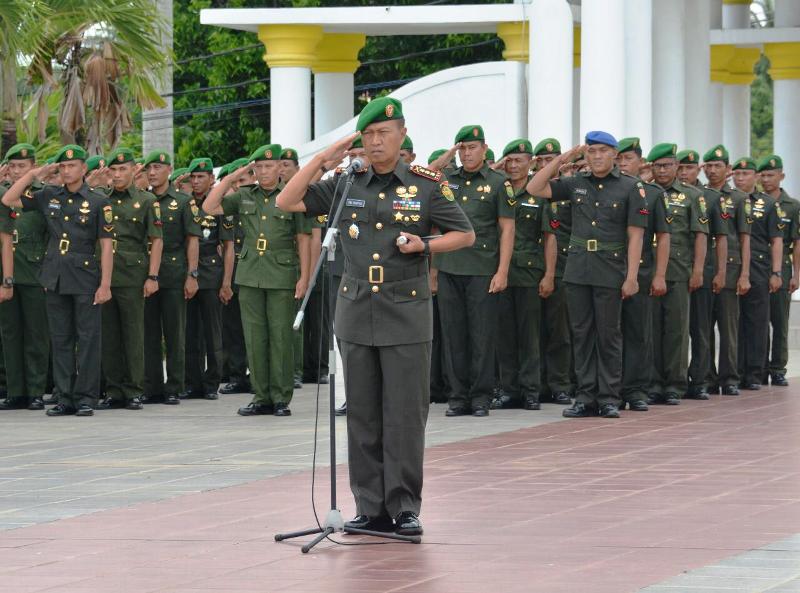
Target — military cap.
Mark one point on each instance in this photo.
(547, 146)
(469, 134)
(268, 152)
(50, 161)
(178, 172)
(139, 161)
(518, 146)
(201, 165)
(489, 154)
(357, 143)
(157, 156)
(743, 163)
(120, 155)
(599, 137)
(223, 171)
(407, 144)
(770, 162)
(70, 152)
(629, 144)
(381, 109)
(289, 154)
(688, 157)
(436, 154)
(662, 151)
(97, 161)
(716, 153)
(21, 151)
(238, 164)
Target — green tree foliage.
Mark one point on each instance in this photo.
(761, 135)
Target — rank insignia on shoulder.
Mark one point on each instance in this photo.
(425, 172)
(702, 220)
(447, 192)
(108, 214)
(108, 228)
(511, 202)
(509, 189)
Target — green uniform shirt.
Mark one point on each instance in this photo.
(484, 196)
(530, 225)
(762, 213)
(558, 218)
(29, 232)
(603, 209)
(269, 257)
(788, 210)
(137, 218)
(687, 213)
(657, 222)
(214, 231)
(729, 207)
(180, 218)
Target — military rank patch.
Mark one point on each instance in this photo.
(425, 172)
(702, 220)
(227, 222)
(702, 202)
(108, 214)
(554, 224)
(447, 193)
(509, 189)
(322, 218)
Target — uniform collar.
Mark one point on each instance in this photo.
(400, 171)
(483, 172)
(83, 190)
(613, 173)
(130, 191)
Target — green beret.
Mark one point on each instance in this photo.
(489, 154)
(201, 165)
(157, 156)
(547, 146)
(518, 146)
(178, 172)
(770, 162)
(19, 152)
(382, 109)
(239, 163)
(120, 155)
(289, 154)
(70, 152)
(223, 171)
(743, 163)
(663, 150)
(139, 161)
(716, 153)
(407, 144)
(357, 143)
(470, 134)
(688, 157)
(50, 161)
(436, 154)
(268, 152)
(97, 161)
(630, 144)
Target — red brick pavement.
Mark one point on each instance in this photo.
(584, 505)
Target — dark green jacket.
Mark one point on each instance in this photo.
(29, 232)
(180, 219)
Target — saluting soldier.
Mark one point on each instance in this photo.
(137, 220)
(383, 313)
(770, 173)
(97, 173)
(470, 279)
(181, 179)
(407, 150)
(766, 274)
(609, 217)
(23, 312)
(273, 272)
(165, 311)
(77, 219)
(637, 311)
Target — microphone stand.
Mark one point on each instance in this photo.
(334, 523)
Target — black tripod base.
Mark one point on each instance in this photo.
(325, 532)
(411, 539)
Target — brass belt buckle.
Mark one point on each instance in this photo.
(261, 245)
(63, 246)
(376, 271)
(591, 245)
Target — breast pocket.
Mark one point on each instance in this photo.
(529, 214)
(612, 211)
(353, 222)
(247, 209)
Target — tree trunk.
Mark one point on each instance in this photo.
(8, 102)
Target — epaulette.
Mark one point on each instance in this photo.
(425, 172)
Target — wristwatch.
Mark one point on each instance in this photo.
(194, 273)
(8, 282)
(152, 277)
(778, 274)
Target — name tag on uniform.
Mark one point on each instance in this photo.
(354, 203)
(452, 185)
(247, 202)
(580, 191)
(524, 205)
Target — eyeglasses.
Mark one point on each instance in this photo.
(663, 165)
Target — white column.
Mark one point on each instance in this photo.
(157, 124)
(717, 75)
(550, 71)
(736, 97)
(698, 82)
(639, 66)
(786, 131)
(290, 108)
(336, 62)
(576, 106)
(603, 104)
(669, 74)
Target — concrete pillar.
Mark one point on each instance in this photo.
(157, 124)
(639, 67)
(516, 38)
(576, 85)
(669, 73)
(785, 72)
(698, 81)
(334, 67)
(603, 105)
(290, 53)
(718, 72)
(736, 100)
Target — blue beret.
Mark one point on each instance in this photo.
(598, 137)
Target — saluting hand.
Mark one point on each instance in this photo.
(338, 150)
(44, 171)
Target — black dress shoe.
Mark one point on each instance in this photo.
(298, 383)
(134, 404)
(110, 404)
(282, 409)
(36, 404)
(779, 379)
(504, 401)
(232, 388)
(192, 394)
(480, 411)
(172, 400)
(653, 398)
(50, 399)
(638, 405)
(730, 390)
(407, 523)
(60, 410)
(84, 410)
(211, 395)
(342, 410)
(609, 411)
(713, 390)
(752, 386)
(151, 399)
(254, 409)
(579, 410)
(532, 403)
(383, 523)
(562, 398)
(671, 399)
(451, 412)
(17, 403)
(698, 393)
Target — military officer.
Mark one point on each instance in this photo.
(273, 272)
(770, 173)
(724, 376)
(766, 274)
(165, 311)
(520, 304)
(137, 219)
(77, 219)
(23, 313)
(637, 311)
(383, 313)
(181, 180)
(407, 150)
(469, 280)
(609, 217)
(97, 174)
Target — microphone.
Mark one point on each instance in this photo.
(355, 165)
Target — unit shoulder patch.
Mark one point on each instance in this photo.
(425, 172)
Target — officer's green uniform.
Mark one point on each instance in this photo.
(70, 274)
(315, 328)
(519, 305)
(23, 319)
(602, 210)
(687, 213)
(439, 387)
(165, 311)
(137, 218)
(267, 275)
(384, 321)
